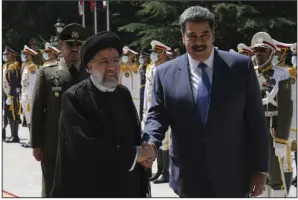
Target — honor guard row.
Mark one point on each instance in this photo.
(139, 81)
(10, 97)
(275, 79)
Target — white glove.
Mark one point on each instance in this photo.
(8, 101)
(142, 125)
(280, 150)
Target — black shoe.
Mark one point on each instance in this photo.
(164, 178)
(27, 145)
(3, 134)
(24, 124)
(13, 140)
(294, 182)
(165, 175)
(156, 175)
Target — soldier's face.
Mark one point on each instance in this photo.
(70, 51)
(161, 54)
(262, 55)
(198, 38)
(105, 67)
(33, 46)
(9, 57)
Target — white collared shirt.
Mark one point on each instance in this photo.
(196, 73)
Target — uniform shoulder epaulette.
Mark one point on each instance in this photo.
(17, 64)
(293, 72)
(32, 67)
(50, 64)
(13, 66)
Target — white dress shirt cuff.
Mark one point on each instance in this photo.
(134, 162)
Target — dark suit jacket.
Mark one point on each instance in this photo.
(233, 145)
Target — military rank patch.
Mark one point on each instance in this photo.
(126, 74)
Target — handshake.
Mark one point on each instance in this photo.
(146, 154)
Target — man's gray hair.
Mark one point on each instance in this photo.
(196, 14)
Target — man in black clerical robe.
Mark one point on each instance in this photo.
(99, 150)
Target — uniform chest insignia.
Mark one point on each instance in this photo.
(286, 86)
(57, 82)
(126, 74)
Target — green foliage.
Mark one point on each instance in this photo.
(140, 22)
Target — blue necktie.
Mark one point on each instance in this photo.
(203, 93)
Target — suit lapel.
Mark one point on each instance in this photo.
(184, 88)
(182, 75)
(220, 77)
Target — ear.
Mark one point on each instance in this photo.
(89, 65)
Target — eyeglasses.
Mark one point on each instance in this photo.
(72, 45)
(108, 62)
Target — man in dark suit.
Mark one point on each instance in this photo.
(212, 102)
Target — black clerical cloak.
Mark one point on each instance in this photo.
(97, 138)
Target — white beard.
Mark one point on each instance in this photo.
(105, 85)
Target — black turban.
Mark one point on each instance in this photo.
(98, 42)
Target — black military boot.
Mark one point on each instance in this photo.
(165, 175)
(5, 123)
(14, 124)
(288, 180)
(3, 134)
(27, 145)
(159, 166)
(294, 182)
(24, 122)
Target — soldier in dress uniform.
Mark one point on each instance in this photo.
(29, 69)
(293, 133)
(159, 55)
(11, 88)
(50, 54)
(53, 79)
(144, 63)
(275, 86)
(279, 60)
(37, 59)
(130, 76)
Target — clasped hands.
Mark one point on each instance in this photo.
(146, 154)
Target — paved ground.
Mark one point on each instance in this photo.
(22, 174)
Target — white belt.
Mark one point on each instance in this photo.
(271, 113)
